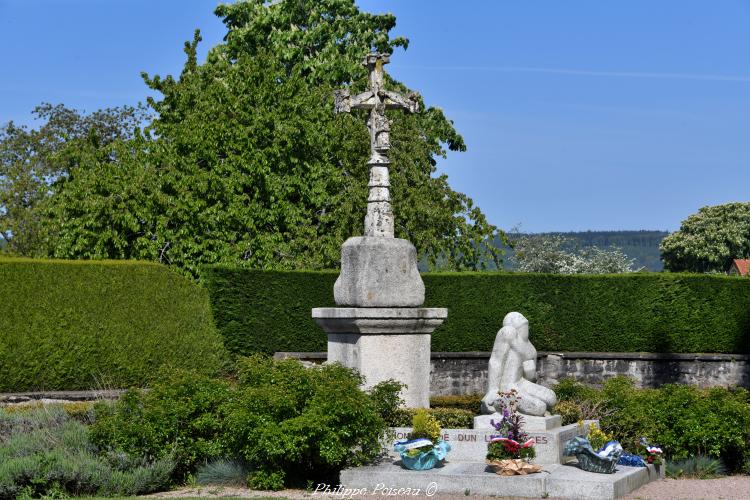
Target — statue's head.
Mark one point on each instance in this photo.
(519, 322)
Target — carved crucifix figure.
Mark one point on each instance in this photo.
(379, 219)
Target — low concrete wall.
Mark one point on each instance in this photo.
(466, 372)
(23, 398)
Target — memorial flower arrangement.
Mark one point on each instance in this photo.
(604, 445)
(603, 461)
(653, 453)
(596, 450)
(510, 451)
(425, 449)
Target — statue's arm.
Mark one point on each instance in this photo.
(495, 371)
(529, 370)
(528, 353)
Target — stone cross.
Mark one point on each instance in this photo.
(379, 219)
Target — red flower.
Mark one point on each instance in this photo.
(511, 447)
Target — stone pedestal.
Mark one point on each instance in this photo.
(378, 272)
(384, 343)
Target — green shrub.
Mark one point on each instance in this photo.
(577, 401)
(387, 398)
(46, 452)
(699, 467)
(685, 421)
(222, 472)
(292, 423)
(179, 418)
(649, 312)
(570, 411)
(469, 402)
(288, 423)
(570, 389)
(448, 418)
(83, 324)
(81, 411)
(453, 418)
(14, 422)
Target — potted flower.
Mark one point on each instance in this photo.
(510, 451)
(425, 449)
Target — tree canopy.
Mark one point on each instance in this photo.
(245, 162)
(707, 241)
(34, 163)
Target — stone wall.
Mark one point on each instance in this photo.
(466, 372)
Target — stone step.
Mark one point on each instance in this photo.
(475, 478)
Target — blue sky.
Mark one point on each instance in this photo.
(577, 115)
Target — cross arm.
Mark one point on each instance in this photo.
(344, 102)
(394, 100)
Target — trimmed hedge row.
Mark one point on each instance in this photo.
(92, 324)
(268, 311)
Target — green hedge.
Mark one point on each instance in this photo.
(268, 311)
(83, 324)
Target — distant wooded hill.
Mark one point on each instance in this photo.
(643, 246)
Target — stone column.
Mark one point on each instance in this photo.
(379, 327)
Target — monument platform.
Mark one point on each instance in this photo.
(475, 478)
(468, 445)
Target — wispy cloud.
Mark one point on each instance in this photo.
(583, 72)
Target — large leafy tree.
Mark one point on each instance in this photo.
(34, 163)
(245, 161)
(707, 241)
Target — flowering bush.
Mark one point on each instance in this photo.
(551, 253)
(511, 441)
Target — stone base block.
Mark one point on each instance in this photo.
(474, 478)
(531, 423)
(384, 343)
(378, 272)
(470, 445)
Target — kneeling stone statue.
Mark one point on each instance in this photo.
(513, 366)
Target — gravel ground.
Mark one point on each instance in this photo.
(674, 489)
(733, 487)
